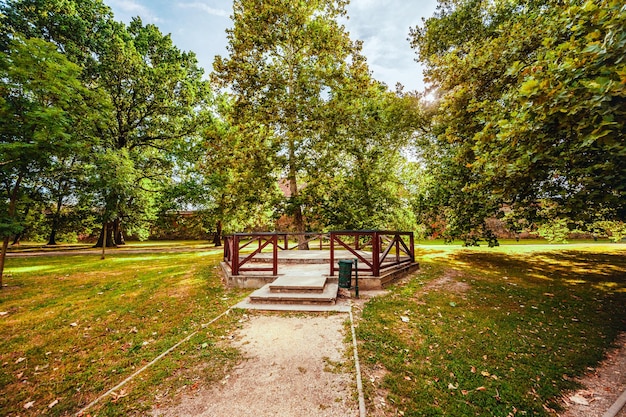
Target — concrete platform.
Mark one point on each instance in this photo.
(298, 284)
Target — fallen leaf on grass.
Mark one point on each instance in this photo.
(3, 313)
(74, 324)
(53, 403)
(481, 389)
(29, 405)
(20, 360)
(577, 399)
(405, 319)
(117, 396)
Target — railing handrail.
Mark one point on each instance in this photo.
(380, 252)
(375, 241)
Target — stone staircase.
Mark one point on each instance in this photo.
(297, 293)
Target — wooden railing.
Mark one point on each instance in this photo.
(324, 240)
(233, 245)
(381, 243)
(388, 249)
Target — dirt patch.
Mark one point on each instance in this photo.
(448, 282)
(601, 387)
(294, 366)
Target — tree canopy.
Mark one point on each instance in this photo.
(531, 110)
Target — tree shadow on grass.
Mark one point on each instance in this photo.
(606, 271)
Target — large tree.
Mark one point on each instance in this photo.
(531, 112)
(157, 95)
(41, 100)
(285, 60)
(159, 102)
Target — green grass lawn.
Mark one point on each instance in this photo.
(477, 331)
(492, 332)
(75, 326)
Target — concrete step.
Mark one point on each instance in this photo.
(298, 284)
(265, 296)
(341, 306)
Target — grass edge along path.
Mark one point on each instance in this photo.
(483, 332)
(146, 366)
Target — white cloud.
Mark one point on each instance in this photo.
(127, 9)
(383, 26)
(205, 8)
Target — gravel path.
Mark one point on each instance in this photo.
(294, 366)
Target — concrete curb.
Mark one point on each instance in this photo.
(357, 366)
(617, 406)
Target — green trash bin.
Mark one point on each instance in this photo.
(345, 273)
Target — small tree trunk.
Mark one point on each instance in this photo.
(3, 254)
(103, 233)
(117, 232)
(53, 234)
(11, 213)
(17, 238)
(217, 237)
(55, 223)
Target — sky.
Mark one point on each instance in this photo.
(383, 26)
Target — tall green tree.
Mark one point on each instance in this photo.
(285, 60)
(159, 102)
(531, 111)
(41, 100)
(364, 155)
(157, 95)
(79, 28)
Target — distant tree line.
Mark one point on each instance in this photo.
(106, 127)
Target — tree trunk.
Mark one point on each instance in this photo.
(3, 254)
(17, 238)
(53, 234)
(298, 218)
(107, 230)
(217, 237)
(11, 213)
(55, 223)
(118, 234)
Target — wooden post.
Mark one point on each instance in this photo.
(275, 255)
(332, 254)
(397, 240)
(412, 247)
(235, 254)
(375, 254)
